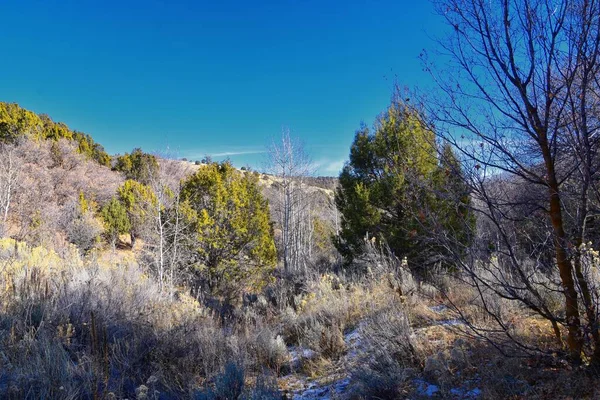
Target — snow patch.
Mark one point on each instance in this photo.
(439, 308)
(425, 388)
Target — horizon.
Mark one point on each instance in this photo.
(199, 79)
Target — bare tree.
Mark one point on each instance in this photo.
(167, 245)
(519, 101)
(292, 208)
(9, 175)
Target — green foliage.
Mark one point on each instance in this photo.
(387, 189)
(452, 201)
(91, 149)
(116, 221)
(16, 122)
(140, 202)
(138, 166)
(235, 244)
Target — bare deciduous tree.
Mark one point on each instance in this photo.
(9, 175)
(290, 164)
(167, 245)
(519, 100)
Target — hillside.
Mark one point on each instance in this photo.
(17, 123)
(48, 179)
(53, 166)
(135, 276)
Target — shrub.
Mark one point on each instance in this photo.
(234, 239)
(228, 386)
(388, 353)
(231, 385)
(82, 229)
(269, 349)
(94, 329)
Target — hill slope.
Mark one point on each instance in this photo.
(17, 122)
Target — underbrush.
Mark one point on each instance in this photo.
(100, 327)
(330, 309)
(72, 328)
(390, 356)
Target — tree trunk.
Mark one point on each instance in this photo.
(565, 268)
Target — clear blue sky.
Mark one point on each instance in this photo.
(213, 77)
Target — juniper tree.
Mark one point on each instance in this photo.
(140, 203)
(234, 239)
(392, 189)
(116, 222)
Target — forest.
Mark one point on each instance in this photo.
(456, 255)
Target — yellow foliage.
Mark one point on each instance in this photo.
(37, 271)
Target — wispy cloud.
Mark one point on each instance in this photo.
(237, 153)
(330, 167)
(193, 154)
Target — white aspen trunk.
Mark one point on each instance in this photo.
(161, 239)
(175, 242)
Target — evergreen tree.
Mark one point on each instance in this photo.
(138, 166)
(16, 122)
(115, 220)
(452, 208)
(388, 189)
(140, 203)
(235, 247)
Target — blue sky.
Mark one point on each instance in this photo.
(220, 77)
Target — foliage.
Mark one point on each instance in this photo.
(93, 150)
(140, 202)
(231, 218)
(116, 220)
(387, 189)
(138, 166)
(16, 122)
(452, 213)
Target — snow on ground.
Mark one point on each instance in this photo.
(303, 388)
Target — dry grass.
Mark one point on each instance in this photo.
(74, 328)
(79, 328)
(330, 309)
